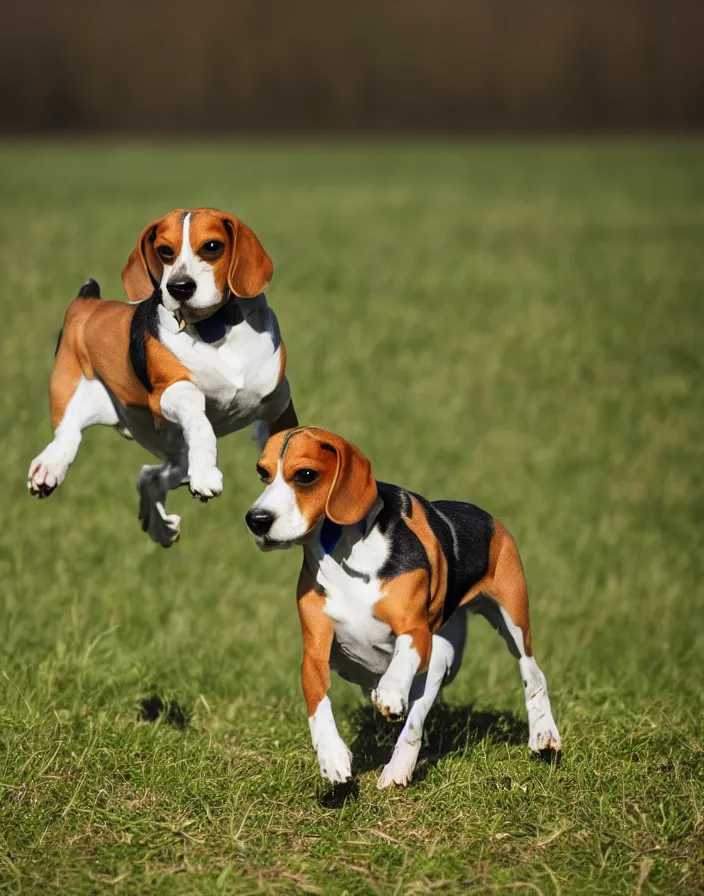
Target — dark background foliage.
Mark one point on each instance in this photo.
(374, 66)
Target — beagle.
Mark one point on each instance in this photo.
(196, 354)
(387, 580)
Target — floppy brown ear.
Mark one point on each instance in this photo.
(251, 269)
(353, 491)
(142, 273)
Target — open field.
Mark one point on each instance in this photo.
(519, 326)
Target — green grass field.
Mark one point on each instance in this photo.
(518, 326)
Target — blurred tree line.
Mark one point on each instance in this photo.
(370, 66)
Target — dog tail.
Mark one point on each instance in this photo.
(89, 290)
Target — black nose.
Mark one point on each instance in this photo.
(181, 289)
(259, 521)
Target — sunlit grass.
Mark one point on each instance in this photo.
(516, 326)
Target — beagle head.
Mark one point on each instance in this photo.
(310, 474)
(198, 258)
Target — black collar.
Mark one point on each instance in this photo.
(215, 327)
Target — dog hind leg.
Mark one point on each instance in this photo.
(76, 403)
(153, 485)
(542, 730)
(506, 608)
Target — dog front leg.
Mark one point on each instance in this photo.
(184, 403)
(334, 757)
(411, 652)
(448, 646)
(403, 608)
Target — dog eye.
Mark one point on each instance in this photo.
(305, 477)
(262, 473)
(166, 254)
(212, 248)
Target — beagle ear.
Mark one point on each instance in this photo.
(251, 269)
(353, 490)
(142, 273)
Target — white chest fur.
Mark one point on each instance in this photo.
(352, 587)
(236, 373)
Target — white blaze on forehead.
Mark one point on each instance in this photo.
(188, 264)
(187, 258)
(186, 251)
(279, 498)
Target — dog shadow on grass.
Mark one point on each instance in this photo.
(448, 729)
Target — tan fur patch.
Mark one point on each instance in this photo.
(105, 340)
(418, 523)
(404, 607)
(95, 342)
(269, 458)
(282, 363)
(64, 381)
(169, 232)
(318, 632)
(303, 451)
(244, 266)
(164, 369)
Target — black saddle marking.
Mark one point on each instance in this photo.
(407, 552)
(145, 320)
(463, 531)
(473, 532)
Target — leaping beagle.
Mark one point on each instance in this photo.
(387, 580)
(199, 355)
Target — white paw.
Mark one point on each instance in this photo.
(399, 770)
(46, 473)
(170, 531)
(205, 483)
(163, 528)
(391, 704)
(335, 760)
(544, 736)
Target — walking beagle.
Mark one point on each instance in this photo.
(386, 582)
(196, 356)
